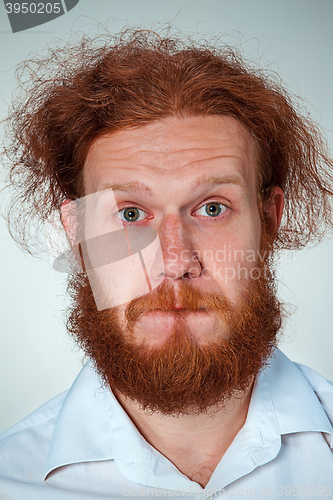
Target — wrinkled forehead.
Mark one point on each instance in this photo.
(170, 149)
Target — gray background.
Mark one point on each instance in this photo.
(293, 37)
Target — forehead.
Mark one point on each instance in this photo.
(173, 150)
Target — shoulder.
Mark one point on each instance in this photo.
(37, 418)
(19, 443)
(302, 399)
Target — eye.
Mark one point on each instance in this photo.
(212, 209)
(131, 214)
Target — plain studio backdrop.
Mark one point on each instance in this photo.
(292, 37)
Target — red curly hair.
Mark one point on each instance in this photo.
(80, 92)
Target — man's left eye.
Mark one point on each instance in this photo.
(131, 214)
(212, 209)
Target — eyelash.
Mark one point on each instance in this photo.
(202, 206)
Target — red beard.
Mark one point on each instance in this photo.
(180, 376)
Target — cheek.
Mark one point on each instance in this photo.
(229, 257)
(234, 246)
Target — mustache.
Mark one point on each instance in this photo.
(183, 299)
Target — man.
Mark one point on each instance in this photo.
(170, 166)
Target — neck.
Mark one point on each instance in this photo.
(194, 443)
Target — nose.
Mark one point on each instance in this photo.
(181, 260)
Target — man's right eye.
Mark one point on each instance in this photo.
(131, 214)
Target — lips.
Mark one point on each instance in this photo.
(175, 310)
(157, 325)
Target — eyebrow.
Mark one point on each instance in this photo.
(139, 187)
(134, 186)
(218, 180)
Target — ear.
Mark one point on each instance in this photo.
(64, 215)
(273, 208)
(69, 220)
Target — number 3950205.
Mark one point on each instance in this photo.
(33, 8)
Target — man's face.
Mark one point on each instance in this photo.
(201, 336)
(194, 181)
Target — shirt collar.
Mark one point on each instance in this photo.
(82, 424)
(282, 402)
(92, 426)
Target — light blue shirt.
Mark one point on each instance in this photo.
(82, 446)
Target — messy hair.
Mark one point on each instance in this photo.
(77, 93)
